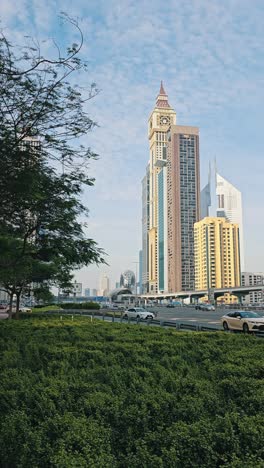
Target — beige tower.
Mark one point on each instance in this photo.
(162, 117)
(217, 257)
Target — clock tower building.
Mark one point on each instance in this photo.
(161, 119)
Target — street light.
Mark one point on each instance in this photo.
(136, 263)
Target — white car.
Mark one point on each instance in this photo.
(25, 309)
(204, 306)
(243, 321)
(138, 312)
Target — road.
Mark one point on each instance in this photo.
(188, 314)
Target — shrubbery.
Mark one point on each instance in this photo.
(92, 394)
(80, 305)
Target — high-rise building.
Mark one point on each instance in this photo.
(94, 292)
(87, 292)
(140, 269)
(217, 257)
(183, 205)
(145, 229)
(229, 206)
(205, 198)
(104, 285)
(253, 279)
(161, 118)
(170, 202)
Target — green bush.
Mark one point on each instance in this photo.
(39, 306)
(80, 393)
(80, 305)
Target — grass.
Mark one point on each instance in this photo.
(76, 393)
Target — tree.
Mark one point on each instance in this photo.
(42, 118)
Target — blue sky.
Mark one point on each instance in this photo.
(210, 55)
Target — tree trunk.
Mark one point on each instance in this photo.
(17, 305)
(11, 295)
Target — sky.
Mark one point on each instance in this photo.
(210, 56)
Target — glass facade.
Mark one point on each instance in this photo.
(161, 263)
(188, 202)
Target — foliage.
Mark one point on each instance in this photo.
(80, 305)
(43, 168)
(81, 393)
(46, 308)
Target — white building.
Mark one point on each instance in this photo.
(253, 279)
(229, 206)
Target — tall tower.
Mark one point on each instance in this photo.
(183, 205)
(205, 198)
(145, 230)
(229, 206)
(161, 118)
(217, 259)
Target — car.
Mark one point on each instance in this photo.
(204, 306)
(139, 313)
(25, 309)
(245, 321)
(170, 306)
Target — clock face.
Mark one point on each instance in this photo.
(164, 120)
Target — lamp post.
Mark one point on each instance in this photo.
(136, 263)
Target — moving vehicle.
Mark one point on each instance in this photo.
(25, 309)
(138, 312)
(170, 306)
(243, 321)
(204, 306)
(5, 308)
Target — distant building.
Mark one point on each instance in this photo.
(217, 258)
(229, 206)
(94, 292)
(140, 263)
(104, 285)
(87, 292)
(205, 198)
(117, 285)
(128, 280)
(253, 279)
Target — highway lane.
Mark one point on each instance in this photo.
(190, 315)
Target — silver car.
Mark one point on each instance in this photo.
(243, 321)
(138, 312)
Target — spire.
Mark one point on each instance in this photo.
(162, 92)
(162, 98)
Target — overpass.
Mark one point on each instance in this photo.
(238, 291)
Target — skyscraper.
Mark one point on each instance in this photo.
(229, 206)
(170, 201)
(145, 229)
(217, 259)
(183, 205)
(205, 198)
(159, 122)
